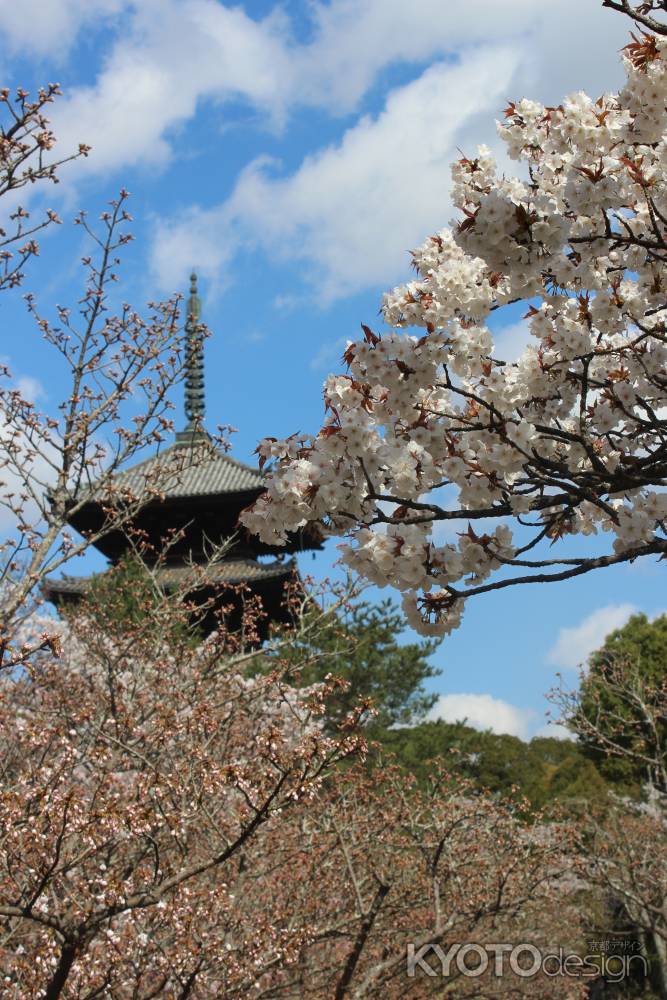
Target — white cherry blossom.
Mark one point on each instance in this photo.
(569, 439)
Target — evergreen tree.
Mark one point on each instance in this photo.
(619, 713)
(362, 648)
(540, 770)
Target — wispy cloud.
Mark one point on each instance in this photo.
(171, 55)
(254, 336)
(576, 643)
(175, 60)
(288, 302)
(329, 355)
(333, 213)
(51, 28)
(509, 342)
(190, 240)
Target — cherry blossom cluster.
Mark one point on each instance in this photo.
(393, 864)
(570, 438)
(166, 825)
(138, 769)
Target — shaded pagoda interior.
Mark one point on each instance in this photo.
(186, 502)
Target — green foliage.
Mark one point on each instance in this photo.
(124, 593)
(126, 596)
(639, 652)
(577, 777)
(362, 647)
(540, 770)
(642, 642)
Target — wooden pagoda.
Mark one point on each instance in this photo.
(191, 493)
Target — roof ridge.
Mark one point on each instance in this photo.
(240, 464)
(248, 569)
(217, 454)
(150, 458)
(163, 457)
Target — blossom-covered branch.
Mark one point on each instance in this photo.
(139, 768)
(173, 827)
(571, 438)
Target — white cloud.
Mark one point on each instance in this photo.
(50, 27)
(30, 388)
(288, 302)
(555, 731)
(329, 354)
(509, 342)
(255, 336)
(482, 711)
(353, 210)
(190, 240)
(575, 644)
(36, 458)
(172, 54)
(354, 40)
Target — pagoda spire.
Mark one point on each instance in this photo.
(195, 406)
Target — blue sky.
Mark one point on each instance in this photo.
(293, 154)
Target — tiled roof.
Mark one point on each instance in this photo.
(189, 470)
(232, 571)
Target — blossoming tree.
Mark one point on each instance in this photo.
(138, 767)
(173, 827)
(571, 438)
(403, 871)
(620, 712)
(116, 370)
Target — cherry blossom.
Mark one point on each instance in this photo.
(571, 438)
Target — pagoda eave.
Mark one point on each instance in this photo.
(198, 520)
(210, 587)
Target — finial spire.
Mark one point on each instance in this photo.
(195, 407)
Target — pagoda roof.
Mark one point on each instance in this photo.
(228, 572)
(191, 485)
(190, 468)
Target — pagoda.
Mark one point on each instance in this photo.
(190, 495)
